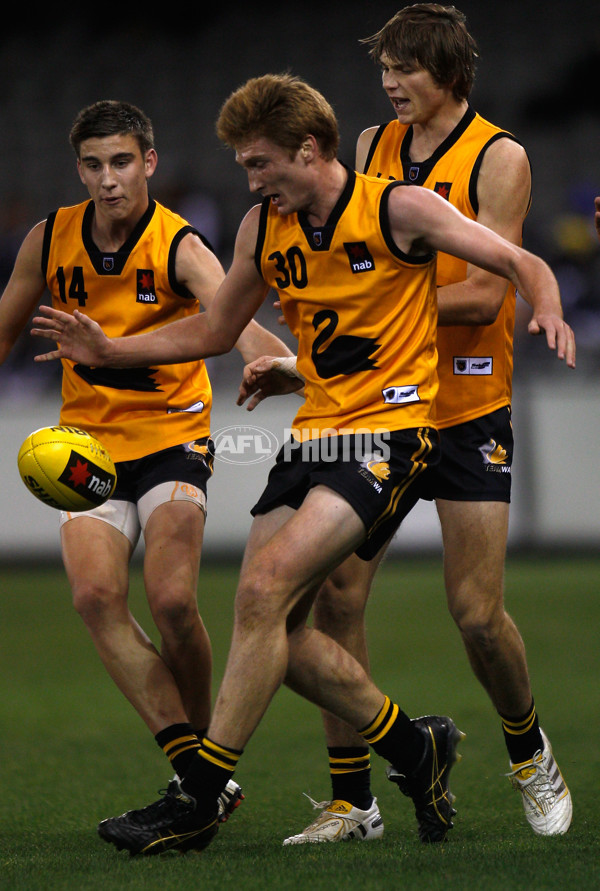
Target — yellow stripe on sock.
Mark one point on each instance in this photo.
(192, 738)
(518, 728)
(350, 765)
(195, 745)
(382, 723)
(216, 754)
(378, 718)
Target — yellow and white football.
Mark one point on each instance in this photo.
(67, 468)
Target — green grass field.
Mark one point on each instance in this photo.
(73, 752)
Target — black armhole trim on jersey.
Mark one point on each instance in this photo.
(178, 288)
(262, 231)
(503, 134)
(425, 167)
(46, 242)
(374, 143)
(384, 222)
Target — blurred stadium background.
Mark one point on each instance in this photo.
(537, 78)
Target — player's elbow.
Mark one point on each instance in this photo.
(474, 315)
(222, 342)
(486, 313)
(487, 293)
(486, 304)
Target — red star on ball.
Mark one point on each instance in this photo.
(79, 473)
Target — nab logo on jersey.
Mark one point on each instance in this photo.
(359, 256)
(145, 286)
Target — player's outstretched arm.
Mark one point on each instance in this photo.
(82, 340)
(211, 333)
(420, 219)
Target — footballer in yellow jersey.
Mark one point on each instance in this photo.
(135, 266)
(122, 257)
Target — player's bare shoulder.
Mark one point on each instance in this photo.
(363, 144)
(505, 170)
(247, 234)
(33, 242)
(198, 268)
(27, 270)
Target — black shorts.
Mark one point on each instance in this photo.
(378, 475)
(191, 462)
(476, 460)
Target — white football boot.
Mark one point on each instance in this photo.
(340, 821)
(546, 798)
(230, 798)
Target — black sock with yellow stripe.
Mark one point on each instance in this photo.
(350, 770)
(181, 744)
(209, 773)
(393, 736)
(522, 735)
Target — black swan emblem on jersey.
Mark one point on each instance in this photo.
(139, 379)
(345, 354)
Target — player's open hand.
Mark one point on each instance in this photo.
(559, 335)
(268, 376)
(78, 337)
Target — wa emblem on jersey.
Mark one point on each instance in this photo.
(145, 286)
(359, 256)
(473, 365)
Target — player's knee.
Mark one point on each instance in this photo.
(96, 602)
(259, 601)
(337, 607)
(175, 614)
(480, 626)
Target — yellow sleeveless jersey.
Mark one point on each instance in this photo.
(132, 411)
(475, 363)
(364, 313)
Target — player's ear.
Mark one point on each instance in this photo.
(309, 148)
(150, 162)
